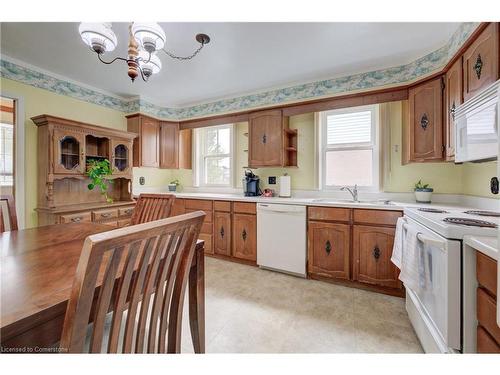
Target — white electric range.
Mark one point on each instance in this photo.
(443, 311)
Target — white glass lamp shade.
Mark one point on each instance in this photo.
(149, 65)
(150, 36)
(98, 36)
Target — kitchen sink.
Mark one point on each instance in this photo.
(361, 201)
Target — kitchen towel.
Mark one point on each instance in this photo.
(397, 249)
(411, 267)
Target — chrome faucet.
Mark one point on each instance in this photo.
(354, 192)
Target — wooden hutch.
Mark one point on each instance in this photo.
(64, 148)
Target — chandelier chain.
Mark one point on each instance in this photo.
(184, 57)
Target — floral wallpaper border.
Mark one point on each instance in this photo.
(369, 80)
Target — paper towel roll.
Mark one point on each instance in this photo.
(285, 186)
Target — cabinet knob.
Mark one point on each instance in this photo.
(264, 138)
(376, 253)
(328, 247)
(478, 66)
(424, 121)
(222, 232)
(244, 235)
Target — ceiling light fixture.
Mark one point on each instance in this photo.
(145, 40)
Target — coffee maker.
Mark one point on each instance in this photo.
(251, 184)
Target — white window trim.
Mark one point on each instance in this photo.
(322, 139)
(199, 169)
(19, 168)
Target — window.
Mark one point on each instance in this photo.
(349, 148)
(6, 154)
(214, 147)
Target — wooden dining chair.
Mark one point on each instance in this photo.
(7, 203)
(150, 207)
(142, 272)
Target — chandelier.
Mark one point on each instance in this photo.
(145, 40)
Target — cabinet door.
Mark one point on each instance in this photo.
(185, 148)
(372, 256)
(69, 152)
(328, 249)
(453, 98)
(265, 142)
(245, 236)
(178, 207)
(121, 157)
(169, 145)
(481, 61)
(426, 121)
(150, 129)
(222, 233)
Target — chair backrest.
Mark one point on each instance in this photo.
(7, 205)
(137, 274)
(150, 207)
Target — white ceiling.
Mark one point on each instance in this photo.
(242, 58)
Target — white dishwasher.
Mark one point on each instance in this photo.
(281, 238)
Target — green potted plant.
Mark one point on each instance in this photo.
(172, 186)
(423, 192)
(98, 171)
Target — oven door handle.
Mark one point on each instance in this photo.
(429, 241)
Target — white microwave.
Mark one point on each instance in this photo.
(476, 126)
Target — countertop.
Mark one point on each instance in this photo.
(486, 245)
(378, 204)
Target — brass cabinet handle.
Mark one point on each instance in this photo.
(424, 121)
(244, 235)
(328, 247)
(376, 253)
(76, 219)
(478, 66)
(106, 214)
(129, 211)
(222, 232)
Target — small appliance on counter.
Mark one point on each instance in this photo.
(285, 186)
(251, 184)
(268, 193)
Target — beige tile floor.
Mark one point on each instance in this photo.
(249, 310)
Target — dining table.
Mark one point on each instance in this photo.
(37, 268)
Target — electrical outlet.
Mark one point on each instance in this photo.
(271, 180)
(494, 185)
(142, 180)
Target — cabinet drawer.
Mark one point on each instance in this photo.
(75, 218)
(376, 217)
(198, 204)
(104, 214)
(329, 213)
(114, 224)
(486, 272)
(244, 208)
(123, 222)
(208, 215)
(485, 343)
(208, 242)
(486, 313)
(222, 206)
(125, 211)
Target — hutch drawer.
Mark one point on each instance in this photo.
(75, 218)
(104, 214)
(125, 211)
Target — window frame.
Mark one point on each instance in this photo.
(4, 174)
(201, 156)
(374, 145)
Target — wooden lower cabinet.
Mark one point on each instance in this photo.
(222, 233)
(328, 249)
(372, 250)
(245, 237)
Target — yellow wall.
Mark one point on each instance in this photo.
(476, 178)
(38, 101)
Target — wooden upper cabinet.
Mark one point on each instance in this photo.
(453, 98)
(222, 233)
(328, 249)
(372, 256)
(424, 134)
(147, 144)
(185, 148)
(169, 145)
(245, 236)
(265, 138)
(69, 152)
(121, 156)
(481, 61)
